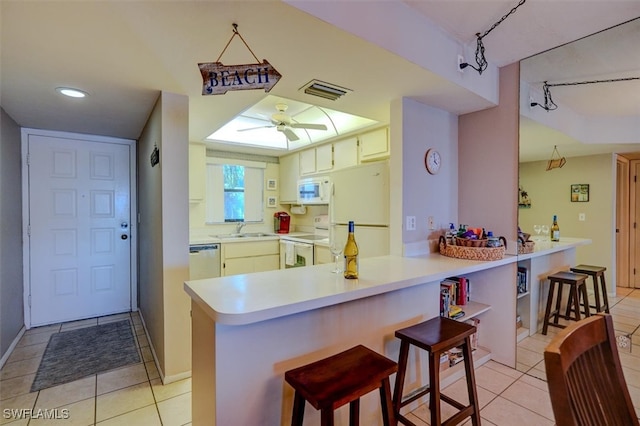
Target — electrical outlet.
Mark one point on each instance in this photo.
(582, 217)
(411, 223)
(460, 61)
(432, 225)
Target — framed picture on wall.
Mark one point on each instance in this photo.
(272, 201)
(579, 192)
(272, 184)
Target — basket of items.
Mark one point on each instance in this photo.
(525, 245)
(473, 244)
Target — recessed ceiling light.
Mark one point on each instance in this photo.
(72, 93)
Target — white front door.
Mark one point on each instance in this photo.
(79, 216)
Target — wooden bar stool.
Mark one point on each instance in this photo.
(577, 288)
(597, 274)
(339, 379)
(436, 336)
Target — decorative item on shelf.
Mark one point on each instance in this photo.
(525, 246)
(523, 198)
(580, 192)
(472, 253)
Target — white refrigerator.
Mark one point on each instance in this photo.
(361, 194)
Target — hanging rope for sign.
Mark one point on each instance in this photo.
(549, 105)
(237, 33)
(480, 58)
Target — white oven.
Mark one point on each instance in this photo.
(295, 254)
(315, 190)
(298, 250)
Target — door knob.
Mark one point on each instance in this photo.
(124, 236)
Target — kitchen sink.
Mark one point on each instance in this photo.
(244, 235)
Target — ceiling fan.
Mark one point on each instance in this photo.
(284, 123)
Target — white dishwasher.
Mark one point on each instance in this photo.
(204, 261)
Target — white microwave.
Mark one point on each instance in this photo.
(314, 190)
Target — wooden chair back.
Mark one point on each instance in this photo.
(585, 378)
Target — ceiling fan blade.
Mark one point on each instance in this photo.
(308, 126)
(290, 134)
(254, 128)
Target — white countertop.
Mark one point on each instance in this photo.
(542, 248)
(250, 298)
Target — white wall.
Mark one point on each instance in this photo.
(163, 200)
(416, 127)
(11, 278)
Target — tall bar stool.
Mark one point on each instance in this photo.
(436, 336)
(577, 288)
(597, 274)
(343, 378)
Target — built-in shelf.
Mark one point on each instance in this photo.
(473, 309)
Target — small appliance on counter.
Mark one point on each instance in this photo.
(281, 222)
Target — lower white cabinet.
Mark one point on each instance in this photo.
(321, 255)
(250, 256)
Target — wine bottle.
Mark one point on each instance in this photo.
(351, 255)
(555, 229)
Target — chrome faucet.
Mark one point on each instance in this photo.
(239, 227)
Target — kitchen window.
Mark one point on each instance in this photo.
(234, 191)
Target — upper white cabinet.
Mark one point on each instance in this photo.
(345, 153)
(324, 158)
(197, 171)
(374, 145)
(307, 161)
(289, 174)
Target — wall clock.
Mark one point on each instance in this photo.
(432, 161)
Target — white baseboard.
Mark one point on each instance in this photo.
(12, 346)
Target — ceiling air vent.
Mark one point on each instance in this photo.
(324, 90)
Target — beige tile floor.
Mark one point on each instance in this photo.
(134, 395)
(131, 395)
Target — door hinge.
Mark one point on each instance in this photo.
(635, 179)
(29, 300)
(28, 159)
(29, 230)
(634, 225)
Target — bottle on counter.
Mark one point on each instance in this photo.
(351, 255)
(555, 229)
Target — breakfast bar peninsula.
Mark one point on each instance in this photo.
(249, 329)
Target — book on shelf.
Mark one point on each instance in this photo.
(461, 286)
(445, 302)
(454, 294)
(522, 280)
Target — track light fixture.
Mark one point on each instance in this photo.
(549, 105)
(480, 58)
